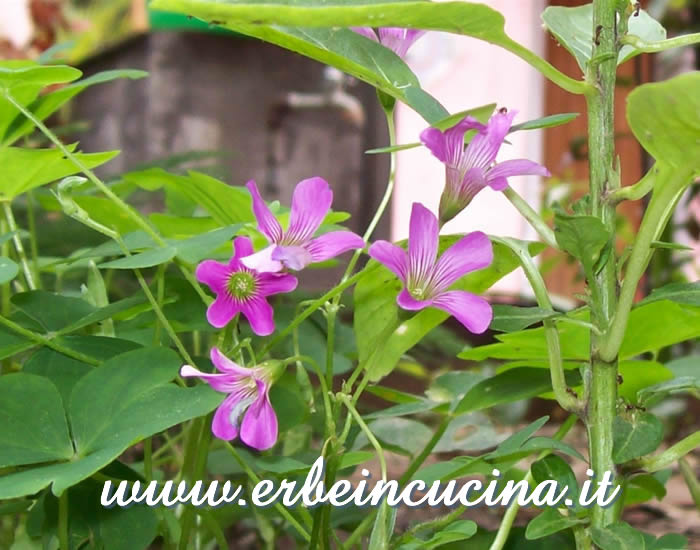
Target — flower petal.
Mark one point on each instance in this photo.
(292, 257)
(213, 274)
(271, 283)
(448, 146)
(221, 425)
(496, 177)
(471, 252)
(260, 315)
(311, 201)
(406, 301)
(220, 382)
(267, 223)
(259, 427)
(242, 247)
(484, 146)
(391, 256)
(329, 245)
(399, 40)
(225, 365)
(472, 311)
(262, 260)
(222, 310)
(422, 243)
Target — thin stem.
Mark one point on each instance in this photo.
(418, 461)
(566, 400)
(48, 342)
(255, 479)
(12, 224)
(662, 45)
(331, 314)
(669, 456)
(510, 515)
(63, 539)
(691, 481)
(535, 220)
(345, 399)
(148, 459)
(431, 525)
(637, 191)
(33, 246)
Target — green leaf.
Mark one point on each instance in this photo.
(642, 488)
(127, 399)
(44, 75)
(635, 436)
(456, 531)
(34, 426)
(25, 169)
(381, 337)
(682, 293)
(49, 103)
(618, 536)
(8, 269)
(383, 527)
(513, 318)
(573, 29)
(550, 121)
(149, 258)
(52, 311)
(581, 236)
(663, 118)
(553, 467)
(670, 542)
(550, 521)
(510, 386)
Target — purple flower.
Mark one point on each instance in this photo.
(427, 279)
(241, 289)
(296, 248)
(248, 398)
(396, 39)
(469, 170)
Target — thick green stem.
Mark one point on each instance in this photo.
(655, 219)
(601, 377)
(19, 247)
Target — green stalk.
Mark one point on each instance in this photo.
(533, 218)
(63, 539)
(19, 247)
(601, 377)
(691, 481)
(662, 45)
(33, 246)
(669, 456)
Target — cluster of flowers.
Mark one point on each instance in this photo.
(243, 284)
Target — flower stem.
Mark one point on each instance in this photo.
(345, 399)
(63, 539)
(532, 217)
(12, 224)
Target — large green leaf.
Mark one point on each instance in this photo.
(128, 398)
(573, 28)
(12, 74)
(581, 236)
(636, 435)
(550, 521)
(618, 536)
(357, 55)
(683, 293)
(664, 118)
(25, 169)
(381, 333)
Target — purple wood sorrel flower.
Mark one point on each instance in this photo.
(296, 248)
(468, 171)
(241, 289)
(248, 398)
(427, 278)
(396, 39)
